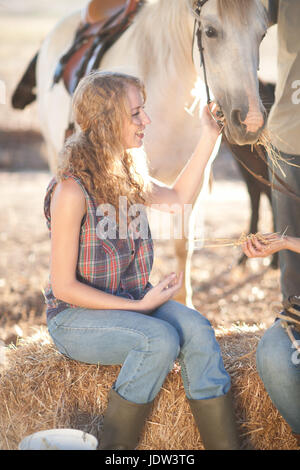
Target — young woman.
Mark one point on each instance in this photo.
(101, 306)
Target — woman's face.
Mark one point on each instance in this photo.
(135, 126)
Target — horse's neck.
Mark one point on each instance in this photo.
(158, 43)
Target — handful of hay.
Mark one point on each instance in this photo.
(218, 242)
(41, 389)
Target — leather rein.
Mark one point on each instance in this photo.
(220, 118)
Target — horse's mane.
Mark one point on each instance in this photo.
(164, 32)
(239, 9)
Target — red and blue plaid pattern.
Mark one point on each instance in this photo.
(119, 266)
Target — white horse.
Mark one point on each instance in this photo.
(157, 47)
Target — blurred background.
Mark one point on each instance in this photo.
(223, 291)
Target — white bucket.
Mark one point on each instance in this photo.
(59, 439)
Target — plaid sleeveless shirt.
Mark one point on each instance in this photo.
(119, 266)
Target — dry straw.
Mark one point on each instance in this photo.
(41, 389)
(265, 140)
(219, 242)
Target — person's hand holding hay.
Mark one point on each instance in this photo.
(260, 246)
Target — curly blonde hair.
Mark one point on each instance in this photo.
(95, 153)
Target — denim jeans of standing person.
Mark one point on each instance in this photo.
(278, 364)
(277, 358)
(147, 347)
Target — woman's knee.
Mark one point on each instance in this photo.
(199, 329)
(187, 321)
(274, 354)
(165, 340)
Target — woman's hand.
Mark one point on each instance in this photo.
(268, 244)
(207, 121)
(161, 293)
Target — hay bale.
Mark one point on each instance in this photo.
(41, 389)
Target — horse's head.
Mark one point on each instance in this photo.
(232, 31)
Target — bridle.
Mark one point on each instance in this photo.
(220, 119)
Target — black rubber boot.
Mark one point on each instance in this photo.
(123, 423)
(216, 422)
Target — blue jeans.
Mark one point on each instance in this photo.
(278, 364)
(147, 347)
(279, 373)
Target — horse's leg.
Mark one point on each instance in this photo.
(244, 154)
(24, 93)
(192, 228)
(255, 188)
(254, 194)
(184, 248)
(275, 257)
(181, 255)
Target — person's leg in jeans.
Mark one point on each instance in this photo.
(279, 373)
(146, 347)
(278, 364)
(206, 383)
(202, 368)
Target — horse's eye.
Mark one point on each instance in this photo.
(211, 32)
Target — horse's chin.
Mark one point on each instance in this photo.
(235, 138)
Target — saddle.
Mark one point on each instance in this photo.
(103, 22)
